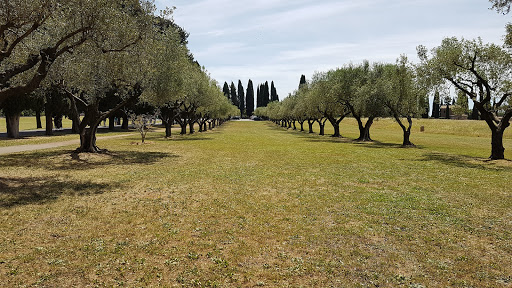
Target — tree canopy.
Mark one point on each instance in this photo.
(34, 34)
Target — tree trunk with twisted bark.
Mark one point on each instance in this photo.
(13, 125)
(310, 124)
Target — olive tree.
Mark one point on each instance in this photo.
(195, 95)
(314, 104)
(328, 103)
(300, 110)
(482, 72)
(212, 105)
(404, 95)
(303, 108)
(93, 71)
(166, 80)
(354, 87)
(288, 106)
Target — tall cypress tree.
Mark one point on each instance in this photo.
(225, 89)
(258, 97)
(435, 106)
(249, 98)
(273, 93)
(426, 104)
(234, 97)
(448, 102)
(266, 94)
(302, 80)
(241, 98)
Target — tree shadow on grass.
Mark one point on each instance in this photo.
(364, 144)
(28, 134)
(310, 137)
(29, 190)
(68, 160)
(315, 138)
(377, 144)
(188, 138)
(468, 162)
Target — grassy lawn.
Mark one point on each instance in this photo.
(29, 123)
(251, 204)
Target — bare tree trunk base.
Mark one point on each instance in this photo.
(13, 125)
(364, 139)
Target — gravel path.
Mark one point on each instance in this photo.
(23, 148)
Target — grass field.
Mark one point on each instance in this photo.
(250, 204)
(29, 123)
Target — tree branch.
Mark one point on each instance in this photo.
(8, 74)
(505, 121)
(70, 47)
(122, 48)
(8, 52)
(7, 25)
(107, 114)
(481, 81)
(503, 98)
(47, 57)
(471, 93)
(70, 35)
(72, 96)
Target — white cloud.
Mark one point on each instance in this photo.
(221, 49)
(280, 40)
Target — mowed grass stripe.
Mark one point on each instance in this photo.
(251, 204)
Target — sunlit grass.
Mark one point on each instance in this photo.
(29, 123)
(466, 137)
(251, 204)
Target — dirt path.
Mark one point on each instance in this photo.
(23, 148)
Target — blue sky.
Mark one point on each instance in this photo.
(280, 40)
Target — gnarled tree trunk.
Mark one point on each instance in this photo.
(38, 119)
(167, 129)
(75, 127)
(88, 140)
(364, 130)
(310, 124)
(336, 127)
(13, 125)
(49, 121)
(301, 122)
(191, 126)
(57, 120)
(124, 126)
(167, 126)
(183, 125)
(336, 123)
(111, 123)
(406, 130)
(321, 123)
(168, 114)
(497, 149)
